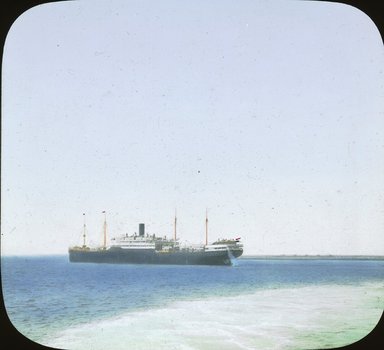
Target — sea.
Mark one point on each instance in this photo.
(254, 304)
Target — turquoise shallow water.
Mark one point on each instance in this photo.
(256, 304)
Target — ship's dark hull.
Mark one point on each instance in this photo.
(140, 256)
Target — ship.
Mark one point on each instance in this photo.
(144, 248)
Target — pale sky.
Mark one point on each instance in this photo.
(268, 113)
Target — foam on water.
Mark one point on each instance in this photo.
(234, 261)
(282, 318)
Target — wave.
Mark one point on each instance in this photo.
(281, 318)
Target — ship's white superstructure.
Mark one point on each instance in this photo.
(132, 242)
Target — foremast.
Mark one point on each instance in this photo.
(174, 228)
(206, 226)
(84, 232)
(105, 231)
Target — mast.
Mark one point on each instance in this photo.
(84, 231)
(105, 230)
(174, 232)
(206, 226)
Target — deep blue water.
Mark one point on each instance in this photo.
(44, 295)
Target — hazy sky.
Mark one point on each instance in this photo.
(268, 113)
